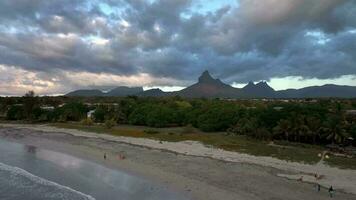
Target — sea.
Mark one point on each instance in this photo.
(31, 173)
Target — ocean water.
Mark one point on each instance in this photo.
(30, 173)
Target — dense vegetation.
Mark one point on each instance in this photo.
(320, 121)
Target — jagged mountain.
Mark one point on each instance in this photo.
(261, 89)
(209, 87)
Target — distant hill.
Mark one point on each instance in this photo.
(85, 93)
(124, 91)
(329, 90)
(153, 93)
(209, 87)
(121, 91)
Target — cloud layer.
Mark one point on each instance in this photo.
(170, 42)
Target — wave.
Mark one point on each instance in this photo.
(19, 179)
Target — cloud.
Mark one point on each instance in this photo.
(18, 81)
(172, 41)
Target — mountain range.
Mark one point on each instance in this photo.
(208, 87)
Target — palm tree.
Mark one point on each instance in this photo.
(299, 127)
(335, 128)
(283, 128)
(30, 103)
(314, 126)
(246, 127)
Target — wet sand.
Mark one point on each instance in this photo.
(189, 168)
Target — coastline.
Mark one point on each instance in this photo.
(191, 167)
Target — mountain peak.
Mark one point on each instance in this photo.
(264, 85)
(251, 83)
(261, 89)
(206, 77)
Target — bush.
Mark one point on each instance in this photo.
(110, 123)
(15, 113)
(217, 117)
(87, 122)
(72, 112)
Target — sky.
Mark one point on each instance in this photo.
(53, 47)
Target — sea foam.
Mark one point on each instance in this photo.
(23, 181)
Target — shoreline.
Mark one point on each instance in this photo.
(190, 167)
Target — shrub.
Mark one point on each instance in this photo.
(87, 122)
(15, 113)
(110, 123)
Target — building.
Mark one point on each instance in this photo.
(351, 112)
(278, 108)
(47, 108)
(90, 113)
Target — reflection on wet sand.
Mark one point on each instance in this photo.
(81, 175)
(31, 149)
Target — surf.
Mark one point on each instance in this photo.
(25, 183)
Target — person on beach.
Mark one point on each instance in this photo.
(331, 191)
(318, 187)
(104, 156)
(121, 156)
(300, 179)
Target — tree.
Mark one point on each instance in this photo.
(314, 125)
(283, 128)
(74, 111)
(217, 117)
(334, 128)
(15, 113)
(159, 116)
(100, 113)
(30, 104)
(300, 128)
(246, 127)
(352, 131)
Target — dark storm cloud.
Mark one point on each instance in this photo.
(168, 38)
(68, 52)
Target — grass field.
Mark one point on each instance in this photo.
(241, 144)
(341, 162)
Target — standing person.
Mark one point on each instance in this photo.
(318, 187)
(331, 191)
(104, 156)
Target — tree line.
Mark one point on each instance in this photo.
(323, 121)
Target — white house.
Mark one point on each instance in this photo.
(47, 108)
(90, 113)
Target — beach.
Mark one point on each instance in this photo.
(190, 168)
